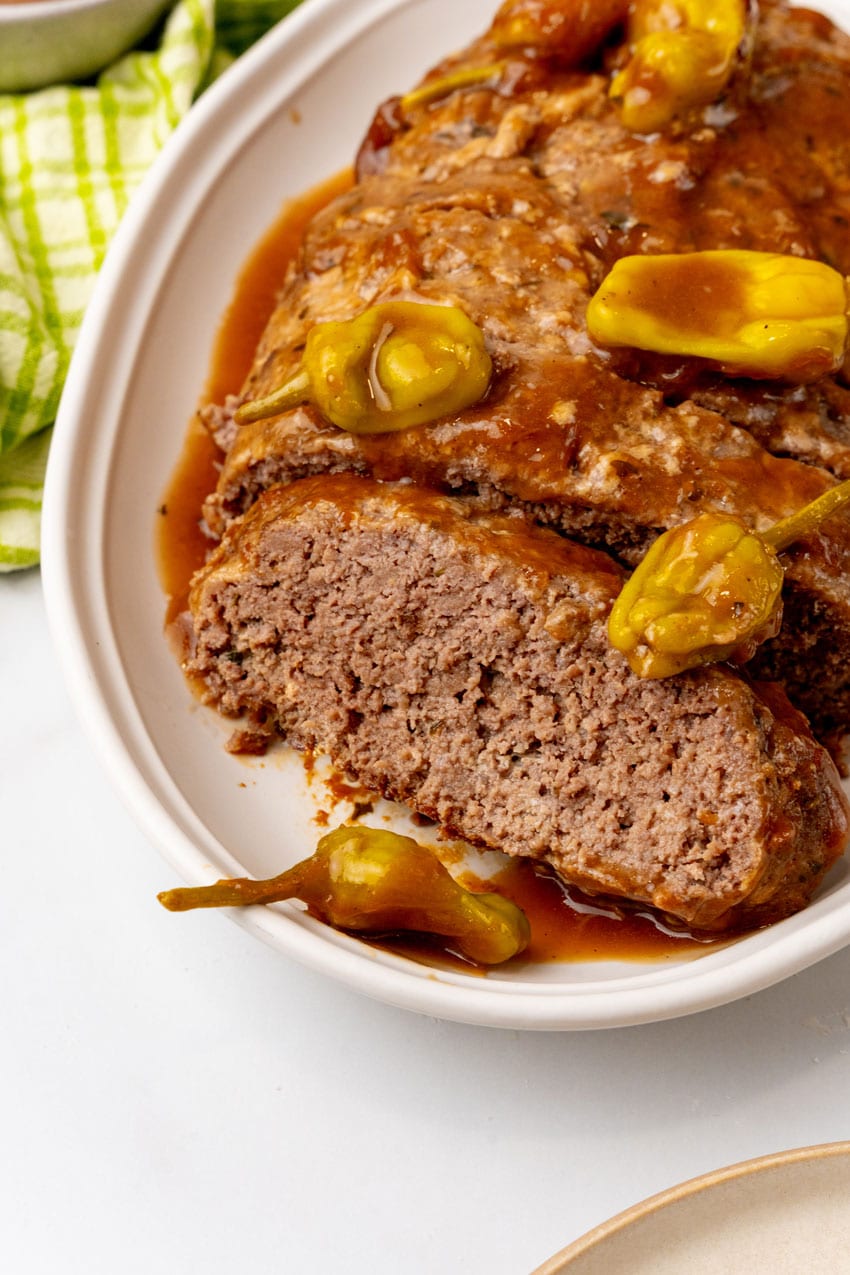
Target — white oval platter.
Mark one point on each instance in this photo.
(287, 115)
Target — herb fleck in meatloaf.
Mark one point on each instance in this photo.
(458, 662)
(513, 200)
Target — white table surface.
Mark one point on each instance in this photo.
(177, 1098)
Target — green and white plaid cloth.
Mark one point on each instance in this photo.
(70, 160)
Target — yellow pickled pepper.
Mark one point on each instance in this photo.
(373, 881)
(759, 314)
(709, 590)
(682, 55)
(398, 364)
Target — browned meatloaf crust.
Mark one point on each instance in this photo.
(459, 663)
(514, 202)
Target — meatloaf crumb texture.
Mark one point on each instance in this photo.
(458, 662)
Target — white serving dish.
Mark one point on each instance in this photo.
(290, 113)
(52, 41)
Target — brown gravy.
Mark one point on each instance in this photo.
(181, 543)
(565, 925)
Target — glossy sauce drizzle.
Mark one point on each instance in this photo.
(565, 925)
(182, 544)
(568, 925)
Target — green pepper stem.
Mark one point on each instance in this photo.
(292, 393)
(808, 519)
(239, 892)
(466, 77)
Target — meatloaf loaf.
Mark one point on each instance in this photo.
(458, 662)
(512, 198)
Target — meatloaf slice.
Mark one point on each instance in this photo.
(512, 199)
(458, 662)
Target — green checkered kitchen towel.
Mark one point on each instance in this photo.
(70, 159)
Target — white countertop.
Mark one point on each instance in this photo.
(177, 1098)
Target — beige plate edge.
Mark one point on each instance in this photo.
(693, 1186)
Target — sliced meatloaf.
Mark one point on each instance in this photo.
(458, 662)
(513, 199)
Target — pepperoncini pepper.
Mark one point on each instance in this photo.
(759, 314)
(703, 592)
(372, 881)
(398, 364)
(683, 54)
(709, 590)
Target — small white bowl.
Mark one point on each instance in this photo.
(287, 115)
(52, 41)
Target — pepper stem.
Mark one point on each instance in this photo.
(464, 78)
(808, 519)
(293, 392)
(235, 893)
